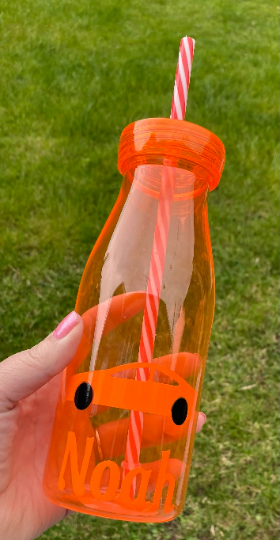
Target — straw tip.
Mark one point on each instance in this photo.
(187, 39)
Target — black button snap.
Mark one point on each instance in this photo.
(83, 396)
(179, 411)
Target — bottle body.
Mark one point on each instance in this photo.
(86, 468)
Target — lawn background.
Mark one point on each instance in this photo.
(74, 73)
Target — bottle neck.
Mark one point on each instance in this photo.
(187, 184)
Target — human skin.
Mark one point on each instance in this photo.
(29, 387)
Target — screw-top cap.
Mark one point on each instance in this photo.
(184, 145)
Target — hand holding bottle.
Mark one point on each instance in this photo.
(29, 387)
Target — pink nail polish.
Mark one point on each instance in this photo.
(204, 418)
(200, 421)
(66, 325)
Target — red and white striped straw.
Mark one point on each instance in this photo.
(182, 79)
(178, 109)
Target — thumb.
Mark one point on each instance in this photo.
(27, 371)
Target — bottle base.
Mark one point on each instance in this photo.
(109, 510)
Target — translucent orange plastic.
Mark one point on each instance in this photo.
(85, 464)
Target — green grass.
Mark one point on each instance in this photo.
(74, 73)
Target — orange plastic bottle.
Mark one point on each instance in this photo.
(85, 468)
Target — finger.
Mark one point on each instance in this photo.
(185, 364)
(122, 308)
(175, 466)
(200, 421)
(24, 373)
(27, 371)
(157, 430)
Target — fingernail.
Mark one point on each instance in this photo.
(65, 326)
(204, 419)
(200, 421)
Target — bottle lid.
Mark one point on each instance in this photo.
(173, 142)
